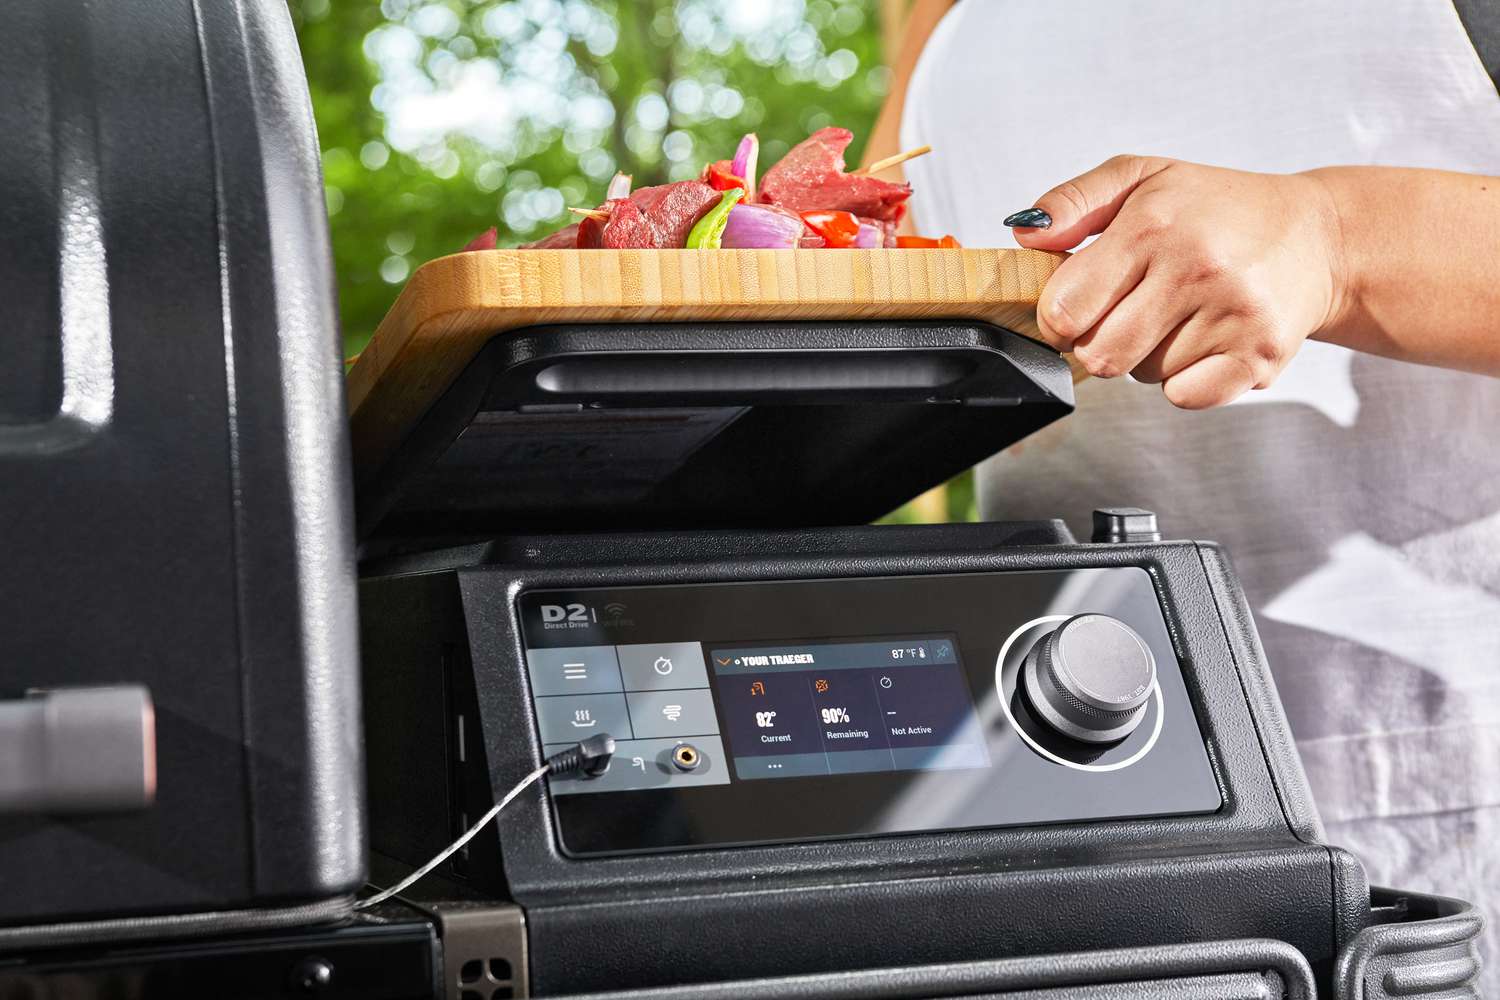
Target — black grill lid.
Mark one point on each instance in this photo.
(709, 426)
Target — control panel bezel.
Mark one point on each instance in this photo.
(718, 809)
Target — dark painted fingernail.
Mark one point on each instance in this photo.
(1032, 218)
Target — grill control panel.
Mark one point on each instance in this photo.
(794, 710)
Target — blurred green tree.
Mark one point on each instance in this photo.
(441, 118)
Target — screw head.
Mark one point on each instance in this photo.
(312, 975)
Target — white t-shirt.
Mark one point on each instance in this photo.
(1358, 497)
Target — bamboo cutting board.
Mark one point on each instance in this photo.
(451, 307)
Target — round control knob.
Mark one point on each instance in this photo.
(1090, 678)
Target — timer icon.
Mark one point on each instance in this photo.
(663, 665)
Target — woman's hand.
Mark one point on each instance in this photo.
(1203, 279)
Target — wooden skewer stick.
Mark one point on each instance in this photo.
(598, 215)
(891, 161)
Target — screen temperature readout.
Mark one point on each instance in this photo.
(796, 709)
(918, 653)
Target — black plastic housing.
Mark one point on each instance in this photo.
(175, 497)
(684, 425)
(443, 643)
(393, 957)
(1250, 969)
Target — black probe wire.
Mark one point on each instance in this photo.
(591, 757)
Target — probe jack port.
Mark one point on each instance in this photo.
(685, 757)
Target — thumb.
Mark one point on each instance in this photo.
(1085, 205)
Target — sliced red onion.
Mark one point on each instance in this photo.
(753, 227)
(743, 165)
(869, 237)
(619, 187)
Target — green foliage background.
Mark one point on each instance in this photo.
(579, 89)
(441, 118)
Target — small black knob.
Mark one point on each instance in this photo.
(1125, 524)
(1090, 678)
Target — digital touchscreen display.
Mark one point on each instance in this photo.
(773, 710)
(818, 708)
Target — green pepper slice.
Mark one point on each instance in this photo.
(709, 230)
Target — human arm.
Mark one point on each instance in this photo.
(1208, 280)
(1421, 265)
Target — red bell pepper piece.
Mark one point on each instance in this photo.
(838, 229)
(721, 177)
(927, 243)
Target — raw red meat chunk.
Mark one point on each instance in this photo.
(811, 177)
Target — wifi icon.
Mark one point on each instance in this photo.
(614, 610)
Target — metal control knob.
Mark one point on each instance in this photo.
(1090, 678)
